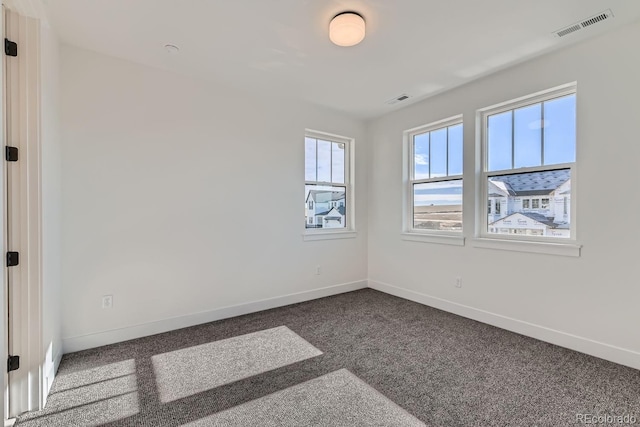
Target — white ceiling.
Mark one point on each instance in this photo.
(281, 47)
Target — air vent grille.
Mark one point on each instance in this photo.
(397, 99)
(594, 20)
(569, 30)
(585, 23)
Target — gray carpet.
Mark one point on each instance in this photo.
(185, 372)
(443, 369)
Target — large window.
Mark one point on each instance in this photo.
(529, 153)
(327, 182)
(434, 192)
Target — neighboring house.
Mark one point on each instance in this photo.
(535, 204)
(325, 209)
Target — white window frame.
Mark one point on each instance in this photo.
(519, 242)
(349, 231)
(408, 231)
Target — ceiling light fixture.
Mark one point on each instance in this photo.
(347, 29)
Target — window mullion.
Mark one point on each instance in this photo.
(412, 158)
(316, 139)
(513, 140)
(331, 161)
(447, 159)
(430, 162)
(542, 124)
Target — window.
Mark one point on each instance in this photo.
(529, 152)
(544, 203)
(327, 182)
(434, 178)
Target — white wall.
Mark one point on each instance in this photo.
(51, 204)
(162, 180)
(589, 303)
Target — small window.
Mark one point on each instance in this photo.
(544, 203)
(535, 203)
(327, 181)
(434, 178)
(525, 203)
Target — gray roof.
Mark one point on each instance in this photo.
(539, 217)
(335, 195)
(534, 216)
(534, 183)
(340, 209)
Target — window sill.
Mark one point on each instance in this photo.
(328, 235)
(442, 239)
(562, 249)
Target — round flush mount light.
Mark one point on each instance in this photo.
(171, 48)
(347, 29)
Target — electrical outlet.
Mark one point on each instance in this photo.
(107, 301)
(458, 282)
(317, 270)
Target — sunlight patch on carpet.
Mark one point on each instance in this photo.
(336, 399)
(90, 397)
(192, 370)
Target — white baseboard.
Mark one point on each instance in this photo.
(56, 363)
(98, 339)
(602, 350)
(49, 376)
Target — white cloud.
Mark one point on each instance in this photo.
(421, 159)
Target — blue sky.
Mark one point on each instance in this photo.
(329, 166)
(529, 129)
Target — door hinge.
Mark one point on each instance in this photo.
(11, 154)
(13, 363)
(10, 48)
(13, 259)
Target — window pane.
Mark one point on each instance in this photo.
(309, 159)
(455, 150)
(325, 206)
(438, 205)
(527, 136)
(421, 156)
(439, 153)
(545, 214)
(499, 141)
(560, 130)
(337, 162)
(324, 161)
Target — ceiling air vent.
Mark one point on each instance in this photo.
(596, 19)
(568, 30)
(585, 23)
(397, 99)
